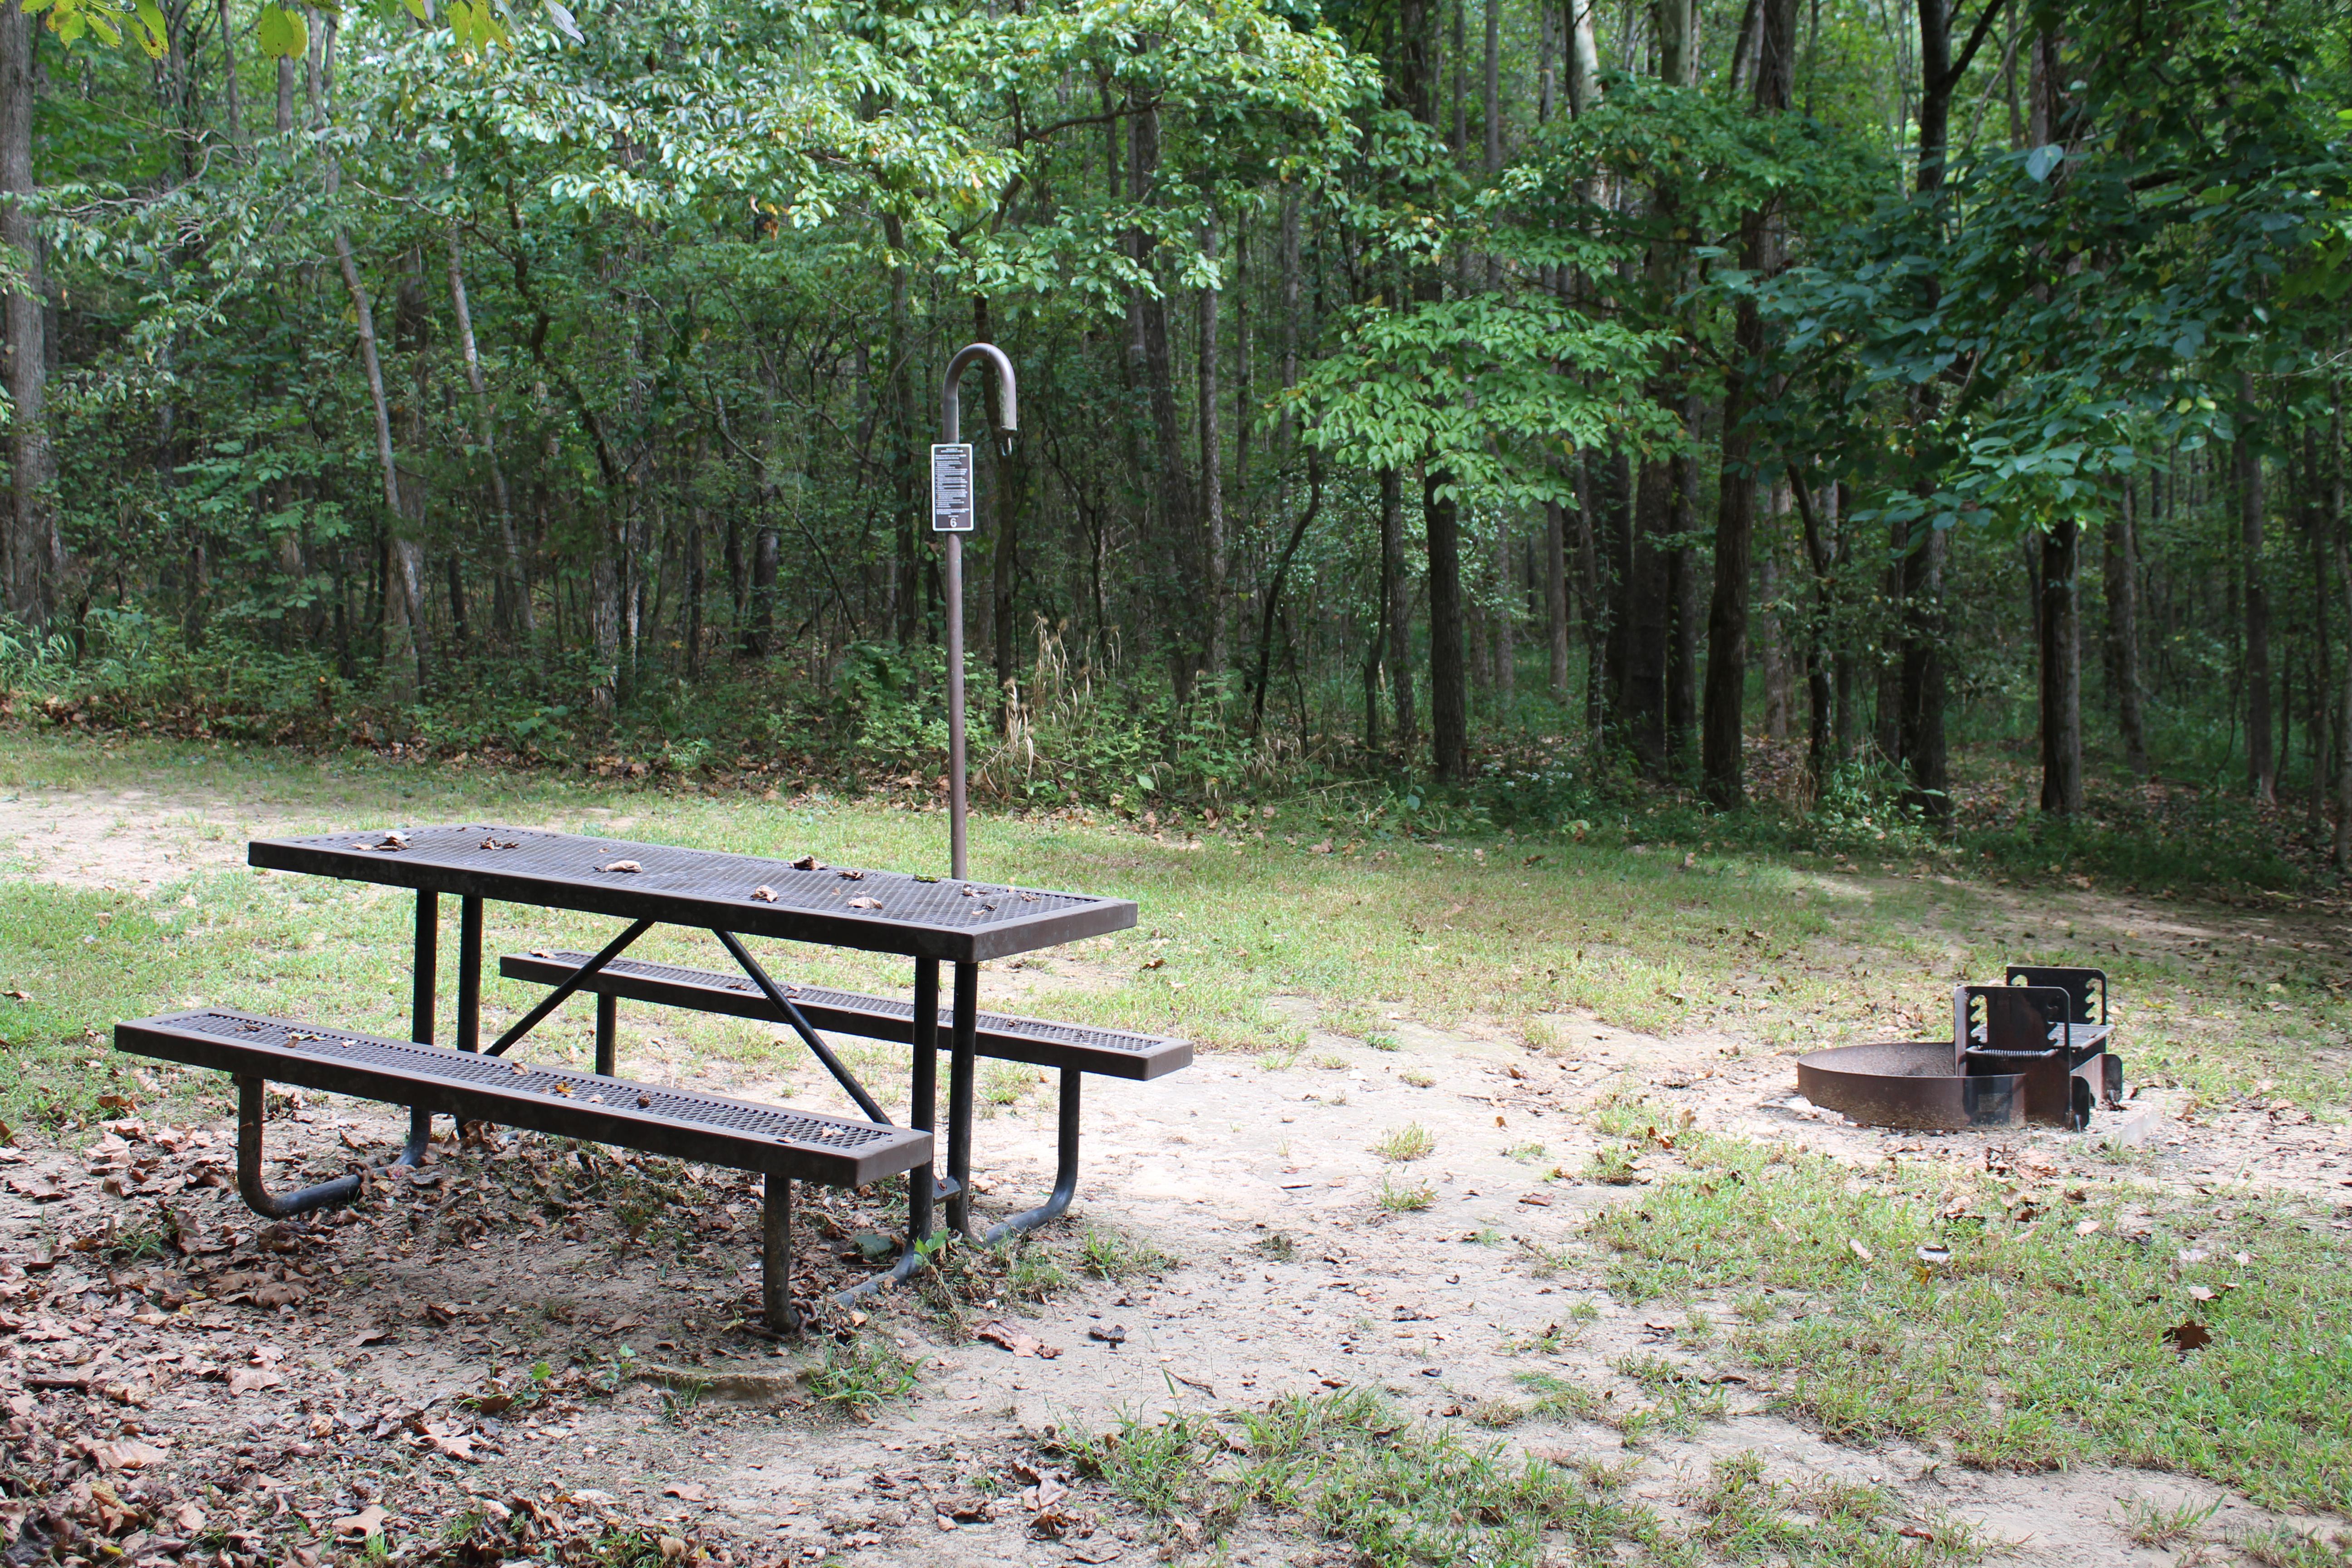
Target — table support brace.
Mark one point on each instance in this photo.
(792, 1015)
(252, 1108)
(580, 976)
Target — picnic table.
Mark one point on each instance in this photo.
(930, 921)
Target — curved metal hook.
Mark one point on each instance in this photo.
(1008, 395)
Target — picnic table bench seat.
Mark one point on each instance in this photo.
(782, 1144)
(1109, 1053)
(1076, 1049)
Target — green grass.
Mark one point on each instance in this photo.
(1402, 1145)
(1391, 1493)
(2034, 1346)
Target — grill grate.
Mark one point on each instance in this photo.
(707, 874)
(859, 1001)
(582, 1088)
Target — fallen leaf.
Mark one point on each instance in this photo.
(687, 1491)
(1536, 1200)
(368, 1522)
(1155, 964)
(1109, 1333)
(1859, 1250)
(849, 875)
(1935, 1255)
(128, 1455)
(367, 1337)
(451, 1445)
(16, 995)
(808, 863)
(2199, 1293)
(498, 844)
(1019, 1341)
(245, 1379)
(40, 1189)
(865, 903)
(622, 866)
(189, 1519)
(2188, 1336)
(2087, 1227)
(764, 893)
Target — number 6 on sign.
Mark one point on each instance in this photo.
(952, 487)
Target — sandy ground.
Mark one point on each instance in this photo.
(308, 1372)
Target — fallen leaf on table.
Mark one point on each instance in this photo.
(808, 863)
(368, 1522)
(1019, 1340)
(498, 844)
(1859, 1250)
(764, 893)
(687, 1491)
(849, 876)
(622, 866)
(865, 903)
(2188, 1336)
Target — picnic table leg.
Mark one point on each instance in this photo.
(608, 1029)
(923, 1110)
(1066, 1168)
(923, 1182)
(776, 1255)
(960, 1096)
(422, 985)
(252, 1110)
(469, 973)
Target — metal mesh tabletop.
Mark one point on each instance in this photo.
(567, 1100)
(877, 911)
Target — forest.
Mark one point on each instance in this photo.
(1505, 394)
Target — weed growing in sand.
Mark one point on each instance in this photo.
(1278, 1246)
(1401, 1145)
(1410, 1198)
(1109, 1255)
(2148, 1523)
(861, 1373)
(2284, 1546)
(1746, 1517)
(1613, 1166)
(1416, 1077)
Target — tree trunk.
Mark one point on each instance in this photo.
(35, 558)
(1396, 614)
(1449, 717)
(1722, 764)
(2336, 520)
(2261, 768)
(1212, 490)
(1507, 609)
(526, 617)
(2061, 671)
(1170, 482)
(1556, 594)
(1682, 606)
(2120, 570)
(1583, 60)
(229, 75)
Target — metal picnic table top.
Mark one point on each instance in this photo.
(877, 911)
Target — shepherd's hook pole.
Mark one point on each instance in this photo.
(950, 426)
